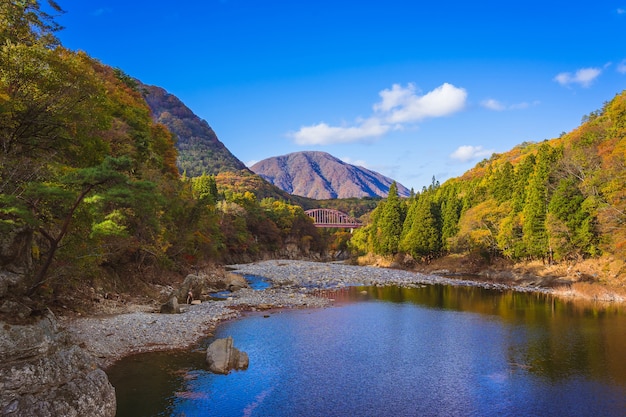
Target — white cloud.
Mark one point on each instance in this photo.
(402, 105)
(492, 104)
(584, 77)
(467, 153)
(398, 106)
(495, 105)
(357, 162)
(621, 67)
(250, 163)
(323, 134)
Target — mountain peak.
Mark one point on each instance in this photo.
(199, 149)
(320, 175)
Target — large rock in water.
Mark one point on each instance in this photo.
(43, 374)
(222, 357)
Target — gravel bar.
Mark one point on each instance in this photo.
(293, 284)
(290, 274)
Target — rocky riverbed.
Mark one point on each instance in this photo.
(293, 285)
(141, 328)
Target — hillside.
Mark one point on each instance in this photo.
(319, 175)
(556, 202)
(199, 149)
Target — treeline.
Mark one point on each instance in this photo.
(558, 200)
(89, 187)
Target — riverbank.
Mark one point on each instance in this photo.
(294, 284)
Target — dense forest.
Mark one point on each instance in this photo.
(90, 194)
(561, 200)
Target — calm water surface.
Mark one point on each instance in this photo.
(431, 351)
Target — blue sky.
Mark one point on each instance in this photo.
(405, 88)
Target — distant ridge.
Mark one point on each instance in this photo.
(319, 175)
(199, 149)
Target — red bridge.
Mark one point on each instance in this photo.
(333, 218)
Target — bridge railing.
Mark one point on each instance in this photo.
(333, 218)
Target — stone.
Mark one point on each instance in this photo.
(43, 373)
(13, 281)
(171, 307)
(222, 357)
(235, 282)
(15, 309)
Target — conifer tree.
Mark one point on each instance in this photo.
(522, 175)
(536, 205)
(390, 223)
(423, 240)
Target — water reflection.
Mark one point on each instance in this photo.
(560, 338)
(434, 350)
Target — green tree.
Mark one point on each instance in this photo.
(502, 183)
(570, 223)
(450, 214)
(522, 175)
(23, 22)
(54, 204)
(390, 224)
(535, 235)
(205, 188)
(423, 239)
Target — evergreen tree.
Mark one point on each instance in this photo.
(535, 235)
(502, 183)
(389, 227)
(450, 214)
(423, 239)
(522, 176)
(570, 223)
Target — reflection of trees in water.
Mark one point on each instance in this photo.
(549, 337)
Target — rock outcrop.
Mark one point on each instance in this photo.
(203, 284)
(42, 373)
(222, 357)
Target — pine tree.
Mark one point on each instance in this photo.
(389, 227)
(536, 205)
(423, 239)
(450, 214)
(522, 176)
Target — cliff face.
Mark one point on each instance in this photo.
(320, 175)
(199, 149)
(42, 373)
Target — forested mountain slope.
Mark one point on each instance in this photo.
(199, 149)
(560, 200)
(91, 199)
(320, 175)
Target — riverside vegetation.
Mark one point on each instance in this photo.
(93, 205)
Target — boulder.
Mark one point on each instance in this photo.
(198, 285)
(203, 284)
(42, 373)
(222, 357)
(171, 307)
(234, 282)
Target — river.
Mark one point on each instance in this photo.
(390, 351)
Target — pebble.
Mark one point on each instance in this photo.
(293, 285)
